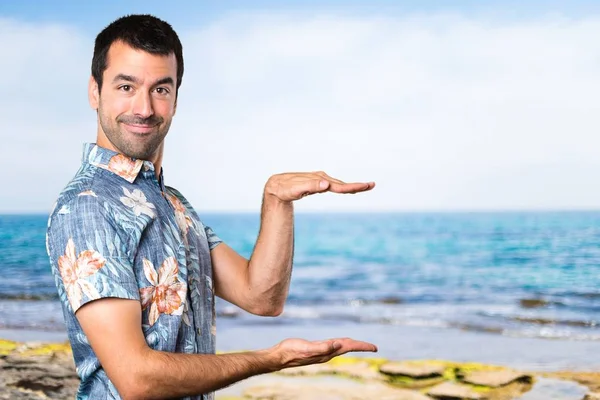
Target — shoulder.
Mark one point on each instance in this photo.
(91, 198)
(81, 208)
(174, 193)
(83, 179)
(92, 220)
(90, 187)
(179, 202)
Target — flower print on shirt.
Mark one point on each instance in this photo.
(64, 210)
(185, 316)
(74, 269)
(184, 221)
(124, 166)
(136, 200)
(88, 193)
(167, 293)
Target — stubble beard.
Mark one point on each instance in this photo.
(143, 149)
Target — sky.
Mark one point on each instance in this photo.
(447, 105)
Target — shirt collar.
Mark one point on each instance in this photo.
(119, 164)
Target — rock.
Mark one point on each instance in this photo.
(533, 303)
(454, 391)
(306, 370)
(592, 396)
(382, 392)
(495, 378)
(330, 392)
(412, 370)
(390, 300)
(37, 377)
(589, 379)
(360, 370)
(6, 346)
(271, 392)
(16, 360)
(554, 389)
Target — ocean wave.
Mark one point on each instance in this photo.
(471, 327)
(551, 334)
(584, 295)
(555, 321)
(588, 295)
(540, 320)
(573, 304)
(389, 300)
(500, 324)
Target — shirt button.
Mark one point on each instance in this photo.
(199, 331)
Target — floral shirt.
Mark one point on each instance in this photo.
(118, 231)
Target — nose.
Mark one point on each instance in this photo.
(142, 105)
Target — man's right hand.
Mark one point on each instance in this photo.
(297, 352)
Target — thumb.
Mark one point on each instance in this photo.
(331, 347)
(322, 185)
(310, 187)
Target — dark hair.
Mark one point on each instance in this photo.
(142, 32)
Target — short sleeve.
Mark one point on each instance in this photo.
(89, 254)
(211, 236)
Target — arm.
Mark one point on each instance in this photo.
(138, 372)
(261, 285)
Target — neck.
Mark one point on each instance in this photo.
(156, 158)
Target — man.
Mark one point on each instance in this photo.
(136, 269)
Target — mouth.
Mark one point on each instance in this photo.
(140, 129)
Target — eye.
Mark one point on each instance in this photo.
(125, 88)
(162, 90)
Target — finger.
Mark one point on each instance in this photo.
(347, 345)
(351, 187)
(329, 178)
(368, 185)
(323, 347)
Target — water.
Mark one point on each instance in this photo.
(512, 274)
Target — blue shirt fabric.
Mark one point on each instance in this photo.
(118, 231)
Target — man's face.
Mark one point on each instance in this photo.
(137, 101)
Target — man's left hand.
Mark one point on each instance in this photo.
(292, 186)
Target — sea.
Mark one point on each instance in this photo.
(506, 287)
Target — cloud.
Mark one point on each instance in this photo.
(442, 111)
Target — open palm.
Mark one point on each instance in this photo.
(297, 352)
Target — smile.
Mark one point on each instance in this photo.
(135, 128)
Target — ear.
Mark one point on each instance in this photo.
(93, 93)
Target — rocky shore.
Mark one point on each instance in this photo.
(35, 371)
(32, 370)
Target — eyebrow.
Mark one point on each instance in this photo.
(165, 81)
(128, 78)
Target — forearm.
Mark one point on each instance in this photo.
(173, 375)
(270, 265)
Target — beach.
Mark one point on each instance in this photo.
(38, 370)
(543, 369)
